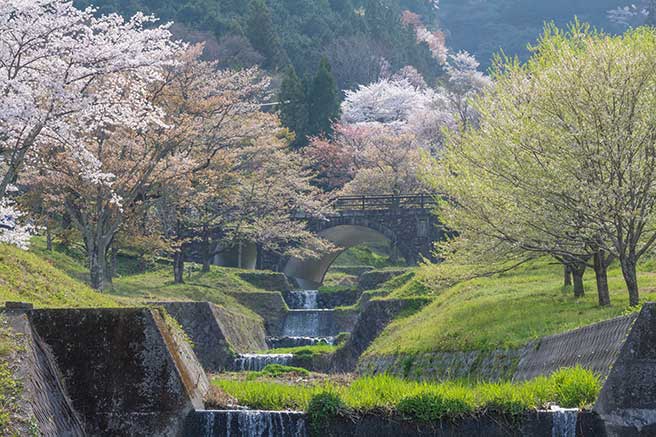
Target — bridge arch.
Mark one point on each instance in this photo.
(310, 273)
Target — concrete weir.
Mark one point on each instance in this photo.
(129, 372)
(246, 423)
(216, 332)
(124, 370)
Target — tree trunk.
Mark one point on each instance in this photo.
(631, 278)
(113, 262)
(239, 254)
(205, 248)
(601, 275)
(577, 276)
(568, 275)
(178, 267)
(48, 237)
(97, 252)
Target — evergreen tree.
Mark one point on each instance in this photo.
(262, 34)
(323, 101)
(293, 106)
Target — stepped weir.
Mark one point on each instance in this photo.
(305, 325)
(247, 423)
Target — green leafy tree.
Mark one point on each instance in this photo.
(293, 106)
(262, 34)
(323, 101)
(564, 160)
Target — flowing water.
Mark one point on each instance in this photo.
(309, 323)
(257, 362)
(278, 342)
(305, 325)
(303, 299)
(564, 422)
(249, 423)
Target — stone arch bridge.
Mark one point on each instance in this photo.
(406, 221)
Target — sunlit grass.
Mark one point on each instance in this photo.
(571, 388)
(503, 311)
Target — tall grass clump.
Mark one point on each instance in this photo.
(575, 387)
(321, 408)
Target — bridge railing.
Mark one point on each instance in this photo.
(383, 202)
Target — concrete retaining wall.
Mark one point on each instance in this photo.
(595, 347)
(375, 316)
(268, 305)
(45, 396)
(441, 366)
(217, 333)
(535, 424)
(125, 371)
(627, 402)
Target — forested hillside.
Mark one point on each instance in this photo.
(353, 34)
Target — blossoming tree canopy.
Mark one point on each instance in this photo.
(59, 71)
(59, 67)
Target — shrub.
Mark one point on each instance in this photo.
(575, 387)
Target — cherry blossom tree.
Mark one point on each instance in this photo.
(201, 111)
(377, 144)
(61, 71)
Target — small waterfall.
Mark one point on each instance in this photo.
(257, 362)
(564, 422)
(309, 323)
(303, 299)
(277, 342)
(247, 423)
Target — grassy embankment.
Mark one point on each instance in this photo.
(13, 421)
(59, 278)
(343, 274)
(575, 388)
(502, 311)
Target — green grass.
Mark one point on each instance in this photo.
(499, 312)
(26, 277)
(59, 277)
(277, 370)
(375, 255)
(13, 420)
(570, 388)
(270, 395)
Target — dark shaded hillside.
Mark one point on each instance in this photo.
(352, 34)
(482, 27)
